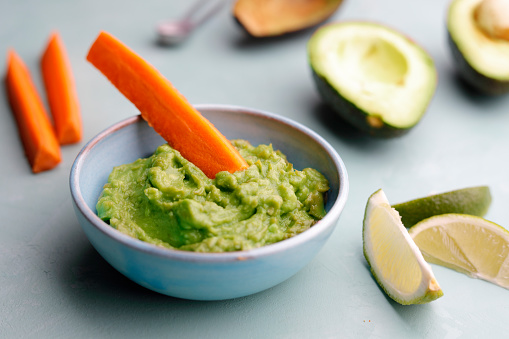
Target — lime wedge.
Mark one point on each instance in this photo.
(396, 262)
(465, 243)
(470, 200)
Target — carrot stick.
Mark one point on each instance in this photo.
(61, 91)
(35, 129)
(164, 108)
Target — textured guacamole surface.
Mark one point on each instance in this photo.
(167, 201)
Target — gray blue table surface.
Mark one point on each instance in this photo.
(53, 284)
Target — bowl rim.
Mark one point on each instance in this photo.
(330, 219)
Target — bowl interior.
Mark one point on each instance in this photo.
(133, 138)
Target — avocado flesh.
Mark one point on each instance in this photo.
(374, 77)
(266, 18)
(480, 59)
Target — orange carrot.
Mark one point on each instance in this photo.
(164, 108)
(61, 91)
(35, 129)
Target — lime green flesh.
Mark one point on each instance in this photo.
(382, 73)
(486, 55)
(386, 253)
(396, 262)
(470, 200)
(467, 244)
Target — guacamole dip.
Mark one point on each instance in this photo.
(167, 201)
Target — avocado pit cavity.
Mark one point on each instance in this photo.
(374, 60)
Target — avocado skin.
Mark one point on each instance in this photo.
(268, 37)
(275, 27)
(476, 80)
(351, 113)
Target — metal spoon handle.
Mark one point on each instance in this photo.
(200, 7)
(174, 32)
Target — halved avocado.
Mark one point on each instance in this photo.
(481, 59)
(372, 76)
(265, 18)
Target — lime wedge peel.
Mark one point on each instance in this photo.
(395, 260)
(467, 244)
(471, 200)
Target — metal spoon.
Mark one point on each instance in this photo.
(174, 32)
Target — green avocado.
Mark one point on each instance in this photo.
(481, 59)
(167, 201)
(374, 77)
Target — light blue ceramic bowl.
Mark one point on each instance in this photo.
(206, 276)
